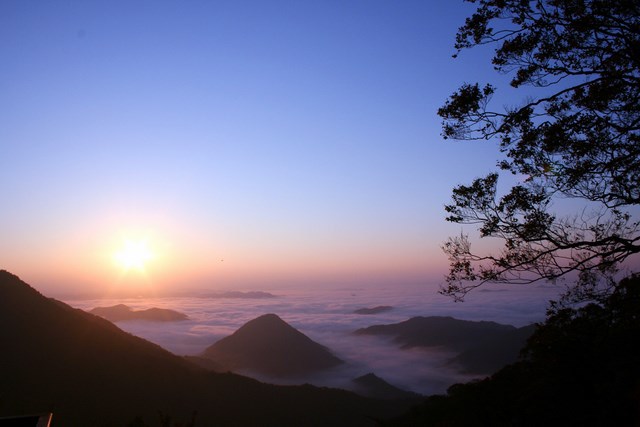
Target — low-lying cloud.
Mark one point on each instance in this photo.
(327, 316)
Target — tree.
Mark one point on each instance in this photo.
(579, 368)
(578, 139)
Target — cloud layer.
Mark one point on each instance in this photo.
(327, 316)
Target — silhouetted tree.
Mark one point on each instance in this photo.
(579, 139)
(578, 369)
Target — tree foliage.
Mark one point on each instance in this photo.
(578, 139)
(578, 369)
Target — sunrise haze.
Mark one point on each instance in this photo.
(245, 143)
(319, 212)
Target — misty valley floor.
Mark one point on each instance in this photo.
(327, 316)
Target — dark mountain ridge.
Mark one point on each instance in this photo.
(494, 352)
(579, 368)
(373, 310)
(371, 385)
(120, 312)
(437, 331)
(268, 345)
(88, 372)
(482, 347)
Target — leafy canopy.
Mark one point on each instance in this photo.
(579, 139)
(579, 368)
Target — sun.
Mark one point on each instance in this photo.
(133, 255)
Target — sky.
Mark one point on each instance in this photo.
(244, 144)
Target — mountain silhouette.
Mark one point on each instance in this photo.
(494, 352)
(121, 312)
(438, 331)
(268, 345)
(579, 368)
(88, 372)
(483, 347)
(371, 385)
(373, 310)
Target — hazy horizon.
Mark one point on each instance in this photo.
(153, 145)
(228, 159)
(327, 316)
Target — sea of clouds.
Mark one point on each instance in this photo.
(327, 316)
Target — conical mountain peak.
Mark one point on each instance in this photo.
(269, 345)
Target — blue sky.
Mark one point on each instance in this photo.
(295, 140)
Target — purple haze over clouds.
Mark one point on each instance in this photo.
(326, 316)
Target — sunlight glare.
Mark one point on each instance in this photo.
(133, 255)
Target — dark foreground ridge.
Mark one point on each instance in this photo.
(371, 385)
(268, 345)
(580, 368)
(88, 372)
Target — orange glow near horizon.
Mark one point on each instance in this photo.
(150, 254)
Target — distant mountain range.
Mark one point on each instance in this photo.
(234, 294)
(268, 345)
(121, 312)
(482, 347)
(373, 310)
(88, 372)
